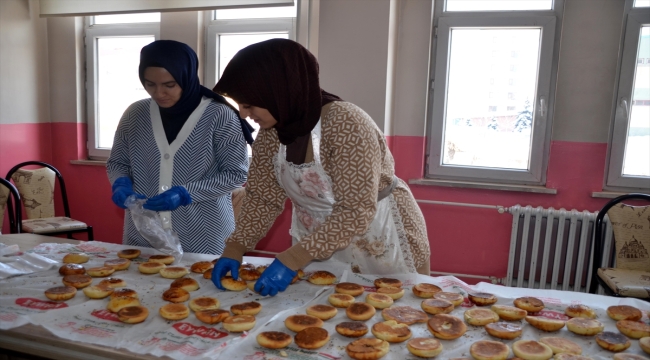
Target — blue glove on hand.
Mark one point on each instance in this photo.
(122, 189)
(169, 200)
(275, 278)
(221, 268)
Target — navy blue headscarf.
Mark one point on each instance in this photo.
(182, 63)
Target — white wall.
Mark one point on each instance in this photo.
(24, 91)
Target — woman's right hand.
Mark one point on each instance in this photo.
(122, 189)
(221, 268)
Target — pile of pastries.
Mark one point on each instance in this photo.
(501, 321)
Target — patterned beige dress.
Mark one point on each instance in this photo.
(356, 158)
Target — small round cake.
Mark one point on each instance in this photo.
(174, 311)
(61, 293)
(128, 253)
(76, 258)
(352, 328)
(163, 259)
(296, 323)
(97, 291)
(360, 311)
(482, 299)
(490, 350)
(446, 327)
(367, 349)
(239, 323)
(204, 303)
(185, 283)
(201, 266)
(425, 290)
(404, 315)
(349, 288)
(118, 264)
(454, 298)
(322, 311)
(321, 278)
(113, 282)
(311, 338)
(435, 306)
(424, 347)
(72, 269)
(173, 272)
(212, 316)
(247, 308)
(387, 282)
(530, 304)
(391, 331)
(379, 301)
(78, 281)
(273, 339)
(504, 330)
(133, 314)
(545, 324)
(176, 295)
(340, 300)
(101, 271)
(583, 326)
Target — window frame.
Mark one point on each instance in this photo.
(215, 28)
(550, 21)
(622, 103)
(92, 33)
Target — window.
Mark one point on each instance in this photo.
(113, 44)
(629, 146)
(232, 30)
(501, 145)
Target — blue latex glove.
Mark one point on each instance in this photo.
(169, 200)
(122, 189)
(221, 268)
(275, 278)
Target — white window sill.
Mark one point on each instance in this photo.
(486, 186)
(608, 194)
(88, 162)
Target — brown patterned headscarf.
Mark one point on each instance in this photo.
(281, 76)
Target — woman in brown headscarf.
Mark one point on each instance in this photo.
(330, 158)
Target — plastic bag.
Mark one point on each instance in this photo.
(150, 227)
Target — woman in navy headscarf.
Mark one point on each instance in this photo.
(184, 149)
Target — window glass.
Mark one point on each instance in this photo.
(127, 18)
(230, 44)
(256, 13)
(637, 146)
(118, 84)
(642, 3)
(488, 124)
(499, 5)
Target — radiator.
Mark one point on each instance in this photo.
(552, 249)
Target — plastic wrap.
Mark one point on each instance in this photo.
(151, 228)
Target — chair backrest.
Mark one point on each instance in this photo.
(631, 226)
(36, 188)
(14, 214)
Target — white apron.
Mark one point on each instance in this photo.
(383, 249)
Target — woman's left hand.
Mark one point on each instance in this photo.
(169, 200)
(275, 278)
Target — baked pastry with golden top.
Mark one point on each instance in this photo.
(452, 297)
(128, 253)
(72, 269)
(504, 330)
(425, 290)
(561, 345)
(360, 311)
(446, 327)
(173, 272)
(97, 291)
(162, 258)
(204, 303)
(296, 323)
(352, 328)
(532, 350)
(76, 258)
(391, 331)
(239, 323)
(312, 338)
(387, 282)
(322, 277)
(545, 324)
(322, 311)
(213, 316)
(124, 292)
(404, 315)
(349, 288)
(113, 282)
(61, 293)
(101, 271)
(200, 267)
(367, 349)
(116, 304)
(133, 314)
(273, 339)
(340, 300)
(249, 274)
(78, 281)
(151, 267)
(509, 313)
(625, 356)
(185, 283)
(482, 299)
(176, 295)
(612, 341)
(530, 304)
(583, 326)
(233, 285)
(174, 311)
(247, 308)
(435, 306)
(633, 329)
(118, 264)
(580, 311)
(394, 293)
(480, 317)
(489, 350)
(379, 301)
(424, 347)
(624, 312)
(644, 343)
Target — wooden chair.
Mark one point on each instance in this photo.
(627, 270)
(36, 188)
(7, 189)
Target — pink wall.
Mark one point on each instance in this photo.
(463, 240)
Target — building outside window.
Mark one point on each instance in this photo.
(628, 166)
(502, 144)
